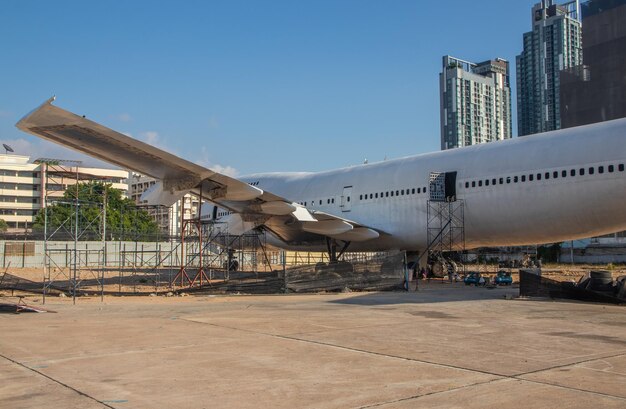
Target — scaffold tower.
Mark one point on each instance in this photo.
(445, 224)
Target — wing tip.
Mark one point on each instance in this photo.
(21, 124)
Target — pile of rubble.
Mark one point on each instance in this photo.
(595, 286)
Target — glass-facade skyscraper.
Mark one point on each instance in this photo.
(596, 91)
(554, 44)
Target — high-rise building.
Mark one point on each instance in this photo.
(596, 91)
(475, 102)
(554, 44)
(27, 187)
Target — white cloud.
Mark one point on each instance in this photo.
(155, 139)
(151, 137)
(206, 162)
(124, 117)
(225, 170)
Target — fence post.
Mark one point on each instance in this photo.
(284, 271)
(406, 273)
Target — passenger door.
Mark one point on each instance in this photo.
(346, 199)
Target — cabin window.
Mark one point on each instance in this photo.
(601, 169)
(419, 189)
(348, 199)
(538, 176)
(547, 175)
(515, 179)
(523, 178)
(480, 183)
(493, 182)
(501, 181)
(621, 167)
(572, 172)
(581, 172)
(487, 182)
(371, 195)
(611, 168)
(360, 197)
(376, 196)
(474, 184)
(531, 177)
(397, 193)
(402, 192)
(555, 175)
(592, 171)
(564, 174)
(392, 193)
(413, 190)
(424, 189)
(320, 202)
(386, 194)
(508, 180)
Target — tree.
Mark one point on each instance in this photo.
(549, 253)
(3, 226)
(124, 220)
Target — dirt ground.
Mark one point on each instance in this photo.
(563, 272)
(126, 282)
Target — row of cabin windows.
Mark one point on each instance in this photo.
(221, 214)
(253, 183)
(544, 176)
(391, 193)
(321, 202)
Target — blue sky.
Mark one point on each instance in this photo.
(249, 86)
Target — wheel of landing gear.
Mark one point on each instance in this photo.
(439, 269)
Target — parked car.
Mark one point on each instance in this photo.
(503, 278)
(473, 278)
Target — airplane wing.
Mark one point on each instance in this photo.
(254, 207)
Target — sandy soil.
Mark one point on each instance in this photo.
(130, 282)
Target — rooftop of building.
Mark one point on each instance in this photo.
(549, 8)
(12, 159)
(58, 165)
(497, 65)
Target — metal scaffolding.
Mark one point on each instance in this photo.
(82, 220)
(445, 226)
(210, 254)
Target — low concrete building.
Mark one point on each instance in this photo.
(26, 187)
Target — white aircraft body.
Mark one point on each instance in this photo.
(551, 187)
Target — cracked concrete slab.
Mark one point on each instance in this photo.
(509, 393)
(430, 349)
(607, 376)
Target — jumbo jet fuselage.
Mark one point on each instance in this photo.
(551, 187)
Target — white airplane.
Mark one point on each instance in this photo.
(557, 186)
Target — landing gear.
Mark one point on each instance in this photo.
(331, 245)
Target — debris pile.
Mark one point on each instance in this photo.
(595, 286)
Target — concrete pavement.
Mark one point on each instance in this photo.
(446, 346)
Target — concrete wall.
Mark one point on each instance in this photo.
(32, 254)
